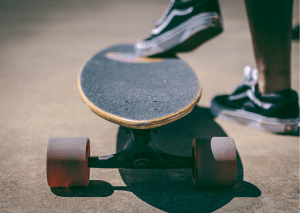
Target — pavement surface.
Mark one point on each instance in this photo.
(43, 45)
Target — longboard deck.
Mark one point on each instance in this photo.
(139, 93)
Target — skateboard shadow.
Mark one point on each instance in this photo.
(172, 190)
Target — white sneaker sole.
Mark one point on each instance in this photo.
(254, 120)
(180, 34)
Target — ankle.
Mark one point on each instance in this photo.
(274, 84)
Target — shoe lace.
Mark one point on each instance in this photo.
(250, 76)
(166, 12)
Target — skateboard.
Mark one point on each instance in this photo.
(141, 94)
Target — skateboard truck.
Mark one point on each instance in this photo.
(140, 153)
(127, 130)
(213, 160)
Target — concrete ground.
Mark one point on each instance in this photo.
(43, 44)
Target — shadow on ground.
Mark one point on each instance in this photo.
(172, 190)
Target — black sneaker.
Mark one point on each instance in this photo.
(183, 27)
(276, 112)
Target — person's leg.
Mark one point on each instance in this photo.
(265, 99)
(270, 25)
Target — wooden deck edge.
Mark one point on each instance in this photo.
(139, 124)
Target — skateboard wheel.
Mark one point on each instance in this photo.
(214, 162)
(67, 161)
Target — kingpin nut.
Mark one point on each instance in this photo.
(141, 163)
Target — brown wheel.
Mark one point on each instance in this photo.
(67, 161)
(215, 162)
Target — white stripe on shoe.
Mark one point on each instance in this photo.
(250, 94)
(239, 96)
(257, 101)
(165, 13)
(174, 13)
